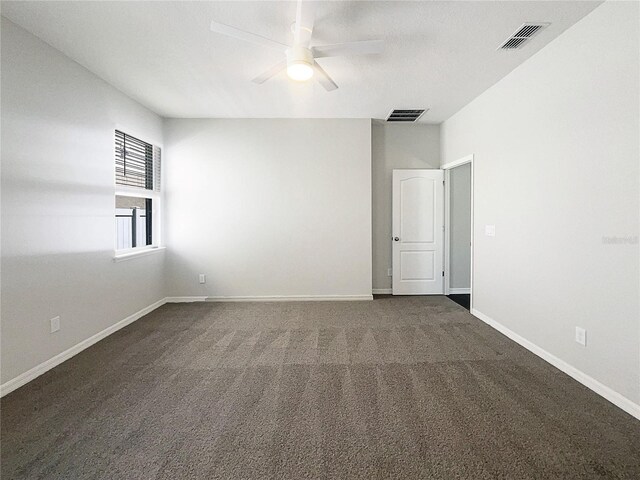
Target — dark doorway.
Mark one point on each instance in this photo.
(462, 299)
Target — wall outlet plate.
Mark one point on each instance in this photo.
(390, 272)
(490, 230)
(55, 324)
(581, 336)
(202, 278)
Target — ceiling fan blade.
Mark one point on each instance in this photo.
(325, 80)
(273, 71)
(351, 48)
(246, 36)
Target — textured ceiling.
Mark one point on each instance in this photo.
(438, 55)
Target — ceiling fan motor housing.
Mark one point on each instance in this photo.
(299, 54)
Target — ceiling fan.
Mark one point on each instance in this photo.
(300, 61)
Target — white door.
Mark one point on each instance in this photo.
(418, 232)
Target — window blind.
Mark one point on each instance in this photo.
(156, 168)
(137, 162)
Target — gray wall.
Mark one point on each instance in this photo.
(395, 146)
(269, 207)
(556, 170)
(460, 226)
(58, 237)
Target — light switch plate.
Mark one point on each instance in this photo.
(203, 278)
(581, 336)
(490, 230)
(55, 324)
(389, 272)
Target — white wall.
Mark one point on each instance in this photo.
(460, 226)
(556, 147)
(58, 204)
(395, 146)
(268, 207)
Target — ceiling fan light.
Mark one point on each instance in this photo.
(299, 71)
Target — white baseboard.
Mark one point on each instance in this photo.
(382, 291)
(611, 395)
(47, 365)
(184, 299)
(459, 291)
(291, 298)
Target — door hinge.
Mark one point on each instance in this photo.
(443, 273)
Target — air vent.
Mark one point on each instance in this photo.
(514, 42)
(405, 115)
(524, 33)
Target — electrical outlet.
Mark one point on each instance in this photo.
(203, 278)
(581, 336)
(55, 324)
(490, 230)
(390, 272)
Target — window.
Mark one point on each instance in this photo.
(133, 225)
(137, 196)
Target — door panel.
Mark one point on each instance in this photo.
(416, 204)
(417, 265)
(418, 232)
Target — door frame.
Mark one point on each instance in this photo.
(447, 223)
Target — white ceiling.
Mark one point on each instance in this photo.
(438, 55)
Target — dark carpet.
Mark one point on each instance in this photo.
(402, 388)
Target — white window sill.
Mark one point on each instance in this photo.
(121, 257)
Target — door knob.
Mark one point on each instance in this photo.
(396, 239)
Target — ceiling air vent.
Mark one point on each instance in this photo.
(405, 115)
(524, 33)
